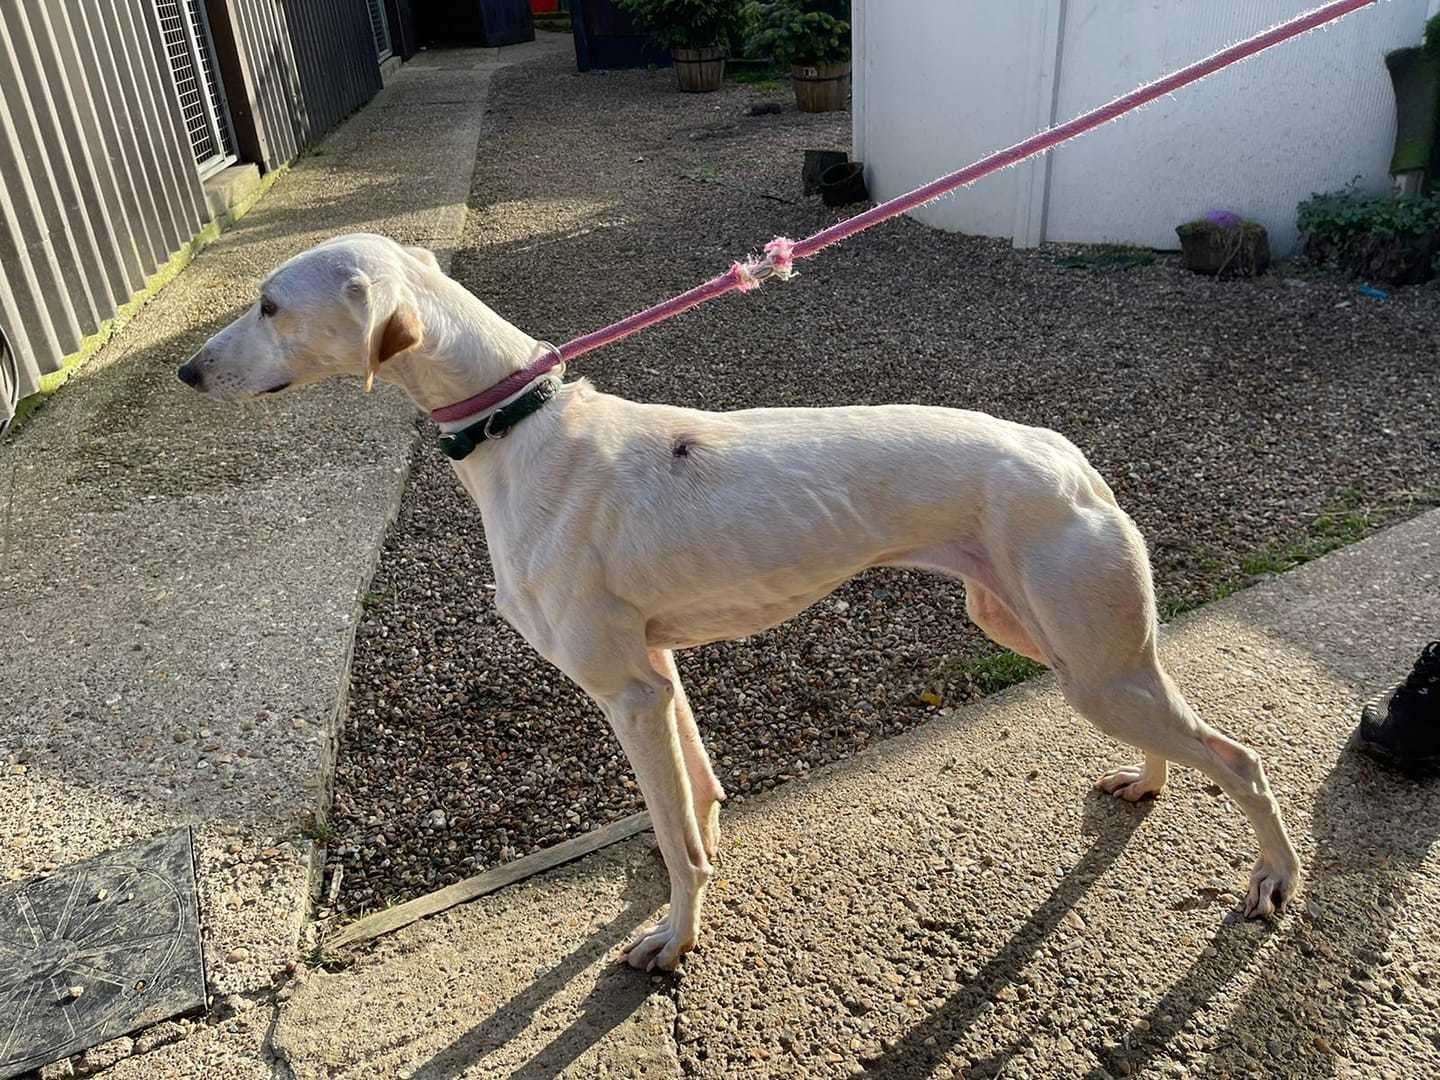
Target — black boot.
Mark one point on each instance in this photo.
(1401, 727)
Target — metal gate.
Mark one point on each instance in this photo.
(186, 32)
(380, 27)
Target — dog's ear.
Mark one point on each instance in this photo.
(425, 255)
(401, 332)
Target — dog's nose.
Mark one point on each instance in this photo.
(190, 374)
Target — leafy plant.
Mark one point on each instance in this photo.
(686, 24)
(1339, 215)
(1390, 238)
(800, 31)
(1432, 36)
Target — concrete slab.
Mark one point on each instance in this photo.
(182, 578)
(522, 983)
(230, 189)
(960, 901)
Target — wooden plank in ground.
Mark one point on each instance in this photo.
(392, 919)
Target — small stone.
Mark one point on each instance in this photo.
(74, 992)
(237, 956)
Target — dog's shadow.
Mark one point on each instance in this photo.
(926, 1045)
(1371, 829)
(1371, 832)
(615, 997)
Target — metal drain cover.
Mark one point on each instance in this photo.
(98, 949)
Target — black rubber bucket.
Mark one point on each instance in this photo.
(841, 185)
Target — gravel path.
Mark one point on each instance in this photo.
(1227, 416)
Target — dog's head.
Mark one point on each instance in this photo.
(344, 307)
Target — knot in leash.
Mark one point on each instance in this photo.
(777, 262)
(780, 254)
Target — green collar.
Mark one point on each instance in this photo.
(457, 445)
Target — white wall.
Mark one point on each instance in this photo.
(939, 83)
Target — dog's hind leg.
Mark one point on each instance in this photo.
(989, 612)
(1144, 708)
(1088, 589)
(706, 792)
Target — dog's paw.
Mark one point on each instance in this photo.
(1272, 884)
(1131, 783)
(661, 947)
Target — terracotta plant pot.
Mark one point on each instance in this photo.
(821, 87)
(699, 71)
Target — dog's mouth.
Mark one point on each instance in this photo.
(276, 389)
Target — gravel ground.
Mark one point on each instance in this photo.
(1230, 417)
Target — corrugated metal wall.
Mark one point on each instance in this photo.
(307, 65)
(335, 53)
(97, 187)
(404, 27)
(98, 184)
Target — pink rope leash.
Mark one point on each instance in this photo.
(781, 254)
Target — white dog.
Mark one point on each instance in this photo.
(620, 532)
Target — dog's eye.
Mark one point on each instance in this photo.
(267, 307)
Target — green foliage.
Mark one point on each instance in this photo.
(988, 674)
(763, 77)
(1332, 529)
(1337, 216)
(1106, 257)
(1393, 239)
(1432, 37)
(800, 31)
(686, 24)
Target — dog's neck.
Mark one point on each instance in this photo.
(465, 348)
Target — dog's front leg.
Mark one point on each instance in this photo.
(705, 790)
(642, 714)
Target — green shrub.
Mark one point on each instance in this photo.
(1390, 238)
(800, 31)
(1338, 215)
(686, 24)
